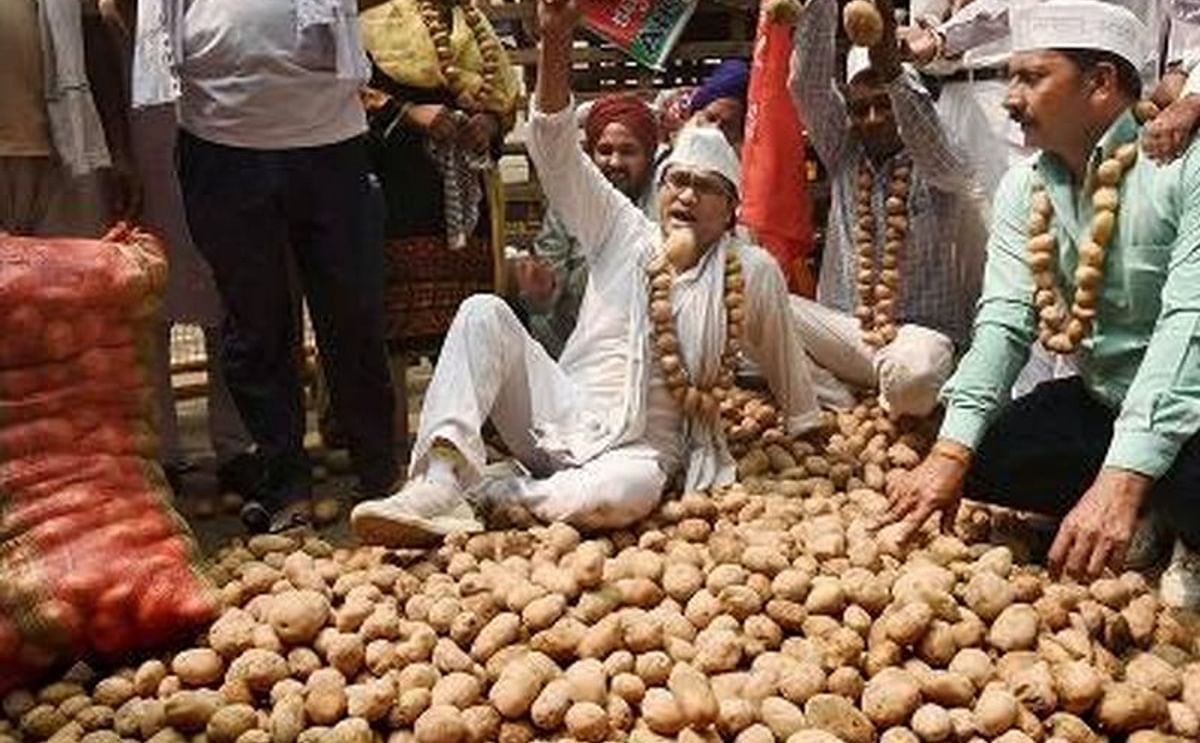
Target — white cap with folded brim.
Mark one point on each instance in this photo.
(1079, 24)
(705, 148)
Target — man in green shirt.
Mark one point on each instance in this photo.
(1124, 293)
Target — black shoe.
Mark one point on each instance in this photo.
(245, 474)
(255, 517)
(174, 474)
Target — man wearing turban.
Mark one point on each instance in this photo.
(720, 100)
(620, 136)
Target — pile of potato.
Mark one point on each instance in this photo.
(770, 611)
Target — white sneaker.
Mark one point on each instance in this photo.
(420, 515)
(1179, 585)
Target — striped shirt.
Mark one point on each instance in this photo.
(937, 290)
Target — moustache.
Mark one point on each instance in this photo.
(1019, 116)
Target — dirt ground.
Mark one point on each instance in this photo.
(331, 472)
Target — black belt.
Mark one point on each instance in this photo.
(978, 74)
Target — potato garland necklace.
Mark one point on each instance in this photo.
(1061, 329)
(700, 403)
(489, 46)
(879, 281)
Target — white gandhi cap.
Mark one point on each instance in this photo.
(1080, 24)
(705, 148)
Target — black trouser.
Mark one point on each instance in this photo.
(247, 209)
(1043, 451)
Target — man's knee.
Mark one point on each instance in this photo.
(486, 312)
(612, 495)
(913, 369)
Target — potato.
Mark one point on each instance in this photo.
(682, 580)
(825, 597)
(899, 735)
(717, 651)
(846, 682)
(890, 697)
(441, 724)
(662, 713)
(1154, 673)
(551, 705)
(1034, 689)
(757, 733)
(190, 711)
(325, 696)
(974, 664)
(987, 594)
(838, 716)
(629, 687)
(111, 692)
(734, 715)
(1015, 628)
(1184, 720)
(372, 700)
(287, 719)
(410, 704)
(948, 688)
(231, 635)
(932, 723)
(995, 712)
(799, 682)
(229, 722)
(907, 625)
(694, 696)
(543, 612)
(518, 686)
(1079, 686)
(587, 681)
(782, 717)
(587, 721)
(259, 669)
(297, 616)
(1127, 707)
(197, 667)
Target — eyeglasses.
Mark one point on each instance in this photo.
(703, 184)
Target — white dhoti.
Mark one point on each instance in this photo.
(908, 372)
(491, 368)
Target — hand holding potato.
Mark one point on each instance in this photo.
(934, 486)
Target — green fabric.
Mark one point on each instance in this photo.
(1143, 357)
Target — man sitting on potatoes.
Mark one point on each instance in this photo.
(895, 291)
(635, 396)
(1094, 250)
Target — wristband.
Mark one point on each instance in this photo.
(950, 451)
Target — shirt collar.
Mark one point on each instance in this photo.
(1123, 129)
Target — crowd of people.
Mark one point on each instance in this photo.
(1013, 243)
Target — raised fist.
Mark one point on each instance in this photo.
(556, 19)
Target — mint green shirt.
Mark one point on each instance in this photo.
(1143, 357)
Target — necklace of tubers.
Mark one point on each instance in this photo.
(879, 280)
(702, 404)
(1061, 328)
(489, 47)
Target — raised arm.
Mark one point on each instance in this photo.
(813, 80)
(933, 151)
(979, 23)
(576, 190)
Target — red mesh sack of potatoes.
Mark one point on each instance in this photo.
(94, 562)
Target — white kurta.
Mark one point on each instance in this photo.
(598, 430)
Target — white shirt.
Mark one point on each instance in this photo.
(609, 357)
(252, 76)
